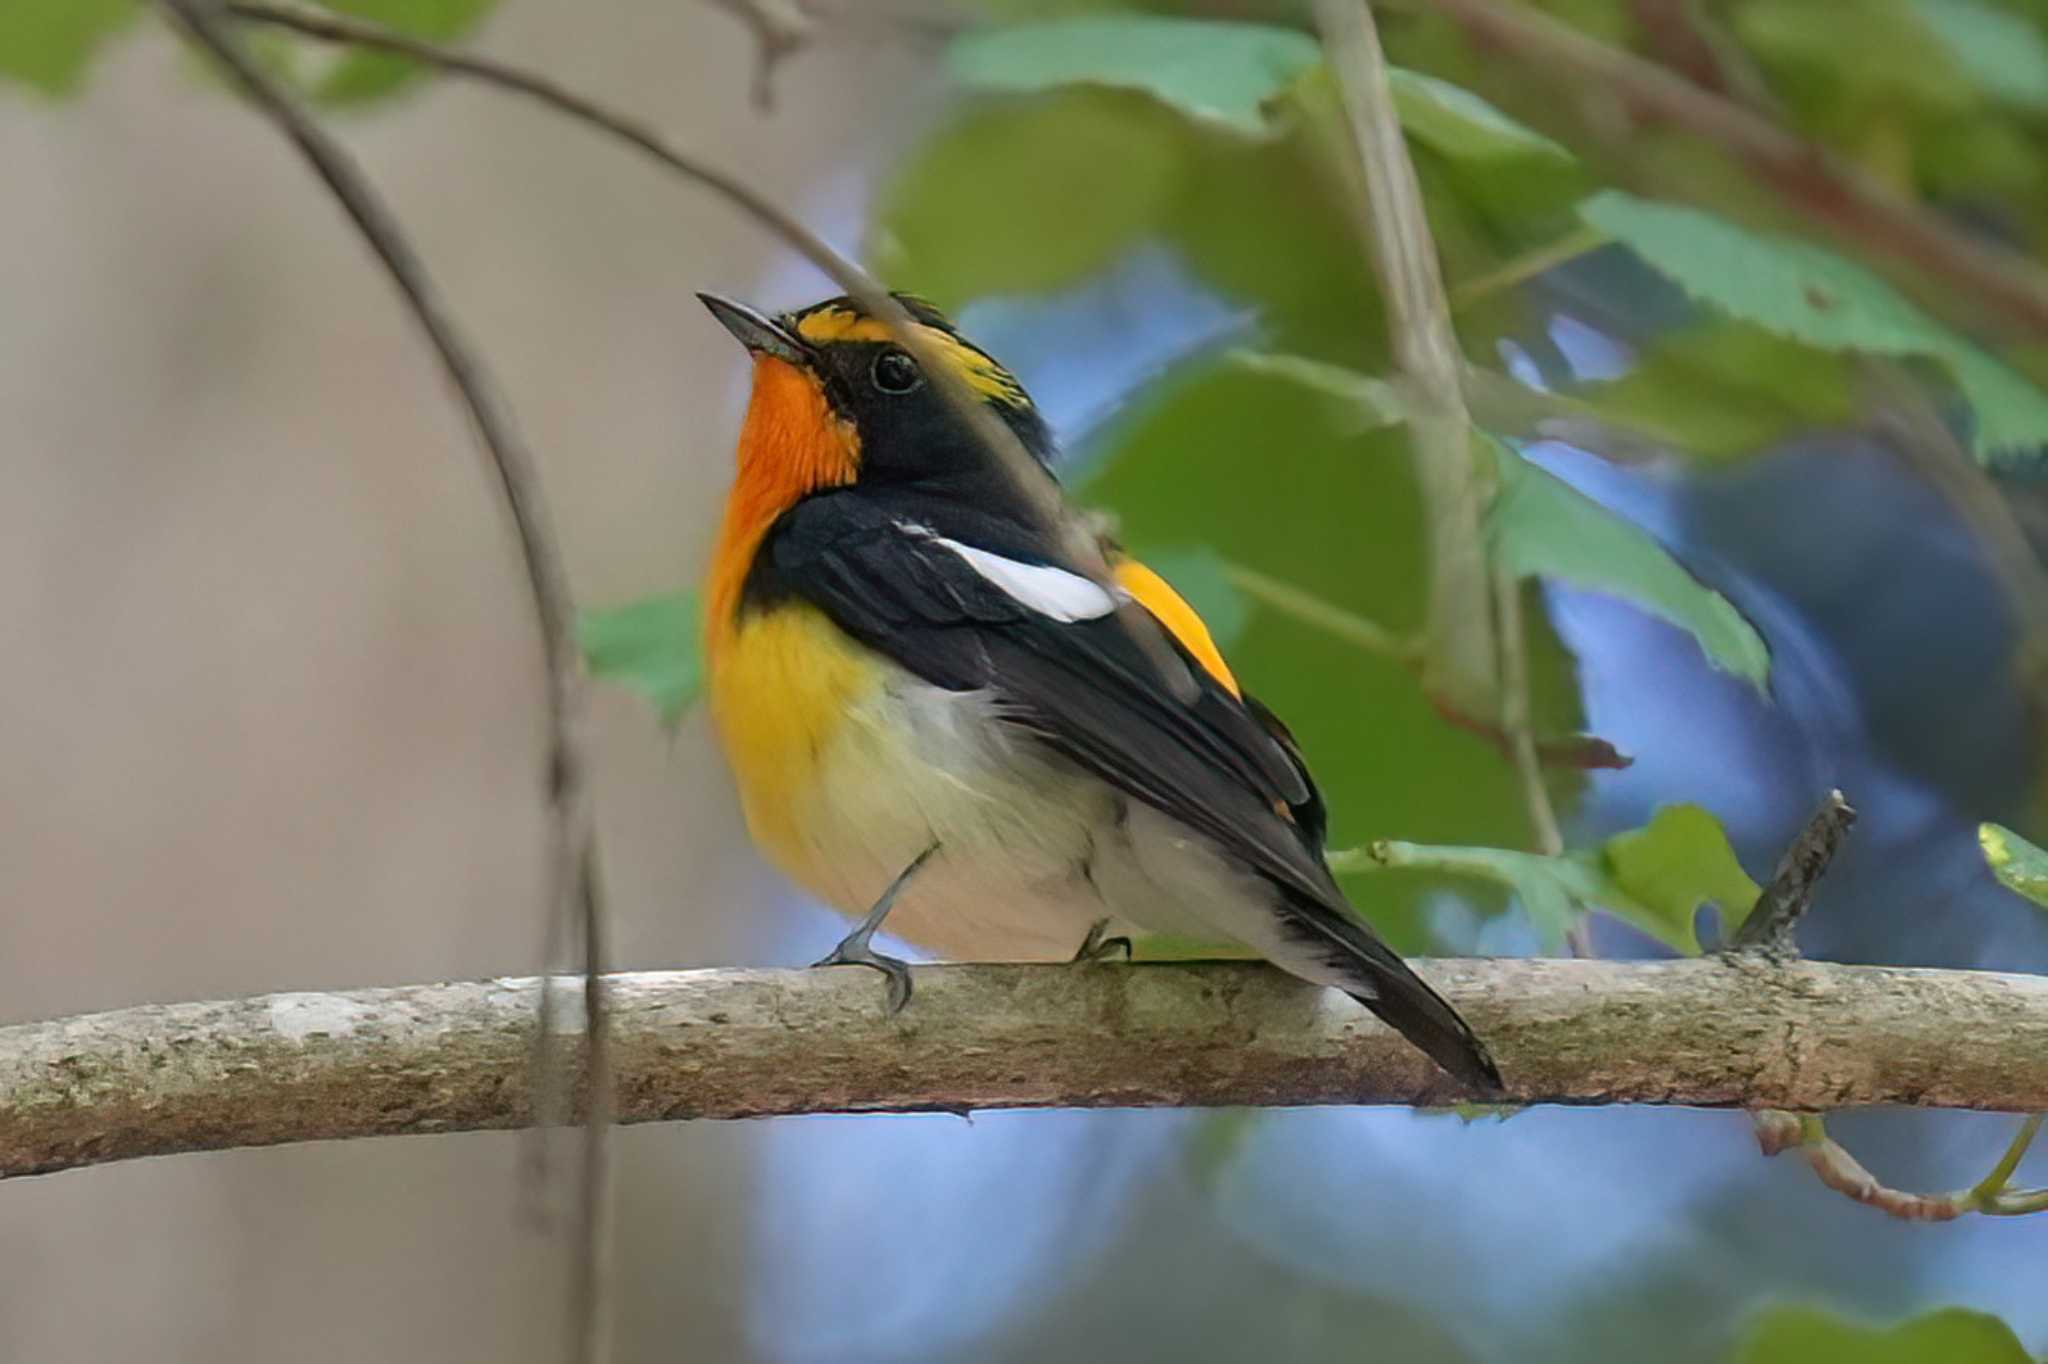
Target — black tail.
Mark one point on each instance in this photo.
(1373, 974)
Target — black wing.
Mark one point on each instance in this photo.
(1226, 768)
(1085, 687)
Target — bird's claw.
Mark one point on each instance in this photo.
(1096, 947)
(854, 950)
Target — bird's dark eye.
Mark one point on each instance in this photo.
(896, 372)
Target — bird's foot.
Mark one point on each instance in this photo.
(854, 950)
(1096, 947)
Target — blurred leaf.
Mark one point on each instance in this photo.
(1723, 388)
(1216, 1140)
(1554, 891)
(1267, 224)
(1208, 69)
(988, 205)
(2019, 865)
(1542, 526)
(1852, 53)
(1199, 574)
(361, 76)
(1676, 861)
(1236, 461)
(652, 646)
(1814, 1335)
(1459, 124)
(1655, 878)
(2003, 53)
(47, 43)
(1811, 295)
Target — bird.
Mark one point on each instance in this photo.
(939, 713)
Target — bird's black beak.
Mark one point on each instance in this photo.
(759, 333)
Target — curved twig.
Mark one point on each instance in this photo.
(573, 886)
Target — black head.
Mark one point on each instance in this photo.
(907, 429)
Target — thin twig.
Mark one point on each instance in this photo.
(1845, 200)
(572, 856)
(1582, 240)
(1778, 1131)
(780, 29)
(1770, 925)
(1026, 475)
(1327, 616)
(1521, 739)
(1459, 661)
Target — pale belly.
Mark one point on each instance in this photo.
(861, 766)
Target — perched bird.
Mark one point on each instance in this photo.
(935, 712)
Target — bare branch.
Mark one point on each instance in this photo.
(781, 29)
(1836, 195)
(1026, 477)
(733, 1044)
(1770, 925)
(1459, 664)
(572, 854)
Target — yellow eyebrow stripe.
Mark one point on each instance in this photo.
(979, 372)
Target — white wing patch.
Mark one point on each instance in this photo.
(1047, 590)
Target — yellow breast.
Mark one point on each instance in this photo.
(783, 681)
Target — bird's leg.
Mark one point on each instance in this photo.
(1095, 947)
(853, 949)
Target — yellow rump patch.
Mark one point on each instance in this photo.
(1170, 609)
(975, 368)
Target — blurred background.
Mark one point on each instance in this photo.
(273, 706)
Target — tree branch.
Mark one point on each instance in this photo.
(1826, 189)
(573, 885)
(733, 1044)
(1460, 666)
(1777, 911)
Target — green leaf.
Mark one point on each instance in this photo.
(1813, 1335)
(1655, 878)
(1676, 862)
(2003, 53)
(1222, 72)
(47, 43)
(651, 645)
(1453, 121)
(1813, 296)
(987, 205)
(1851, 56)
(361, 76)
(1541, 525)
(2019, 865)
(1724, 389)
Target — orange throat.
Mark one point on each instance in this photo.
(792, 444)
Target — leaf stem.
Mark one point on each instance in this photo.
(1581, 240)
(1310, 609)
(1779, 1131)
